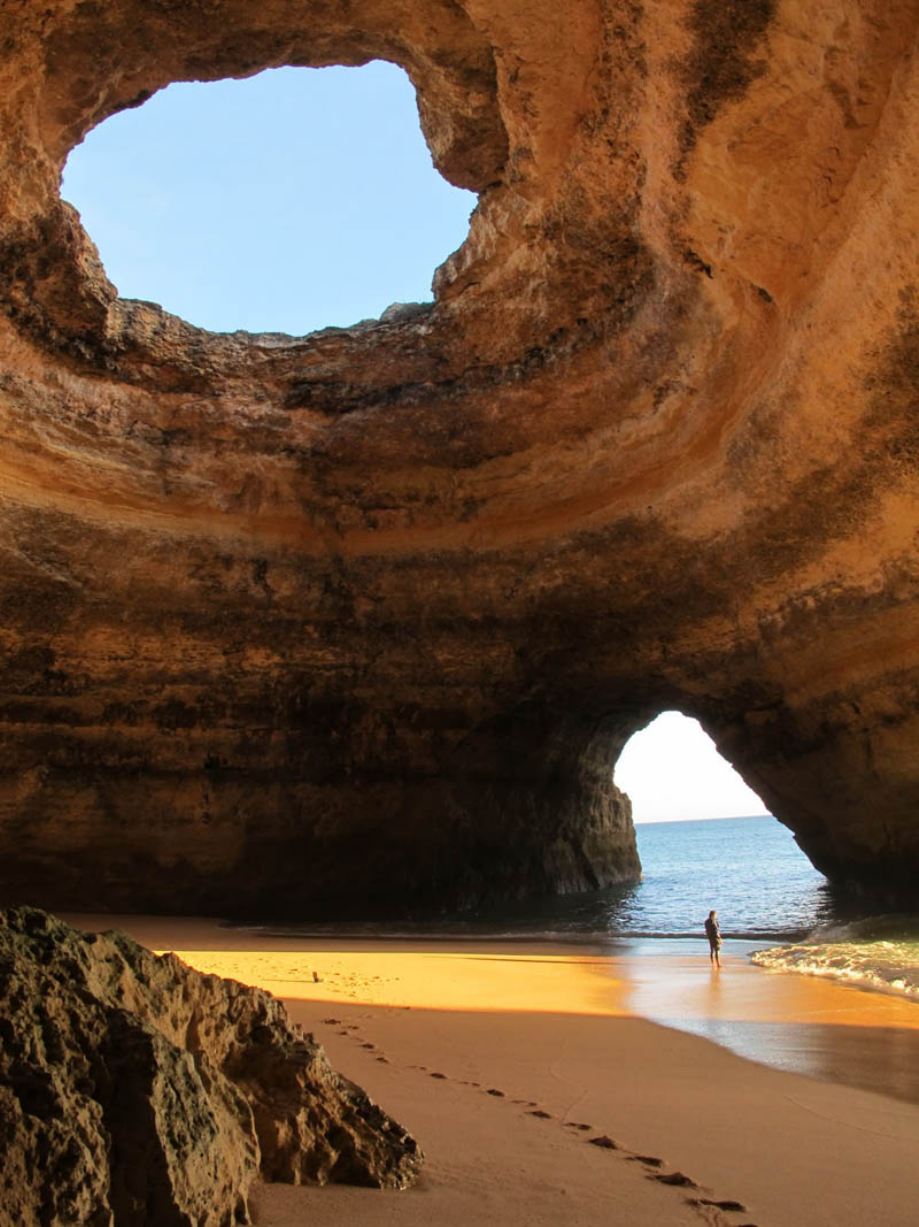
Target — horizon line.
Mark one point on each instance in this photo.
(640, 822)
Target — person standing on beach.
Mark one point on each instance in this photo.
(713, 933)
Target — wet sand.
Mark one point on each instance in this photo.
(802, 1024)
(434, 1030)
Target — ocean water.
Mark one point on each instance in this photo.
(750, 870)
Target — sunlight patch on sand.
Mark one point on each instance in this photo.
(444, 980)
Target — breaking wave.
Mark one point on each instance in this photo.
(881, 953)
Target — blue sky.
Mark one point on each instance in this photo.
(298, 199)
(285, 202)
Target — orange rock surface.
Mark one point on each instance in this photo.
(360, 621)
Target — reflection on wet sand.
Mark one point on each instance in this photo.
(796, 1023)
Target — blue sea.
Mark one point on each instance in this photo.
(773, 905)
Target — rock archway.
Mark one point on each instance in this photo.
(357, 621)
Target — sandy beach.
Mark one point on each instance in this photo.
(509, 1061)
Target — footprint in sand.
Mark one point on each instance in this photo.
(736, 1207)
(648, 1160)
(675, 1178)
(368, 1045)
(443, 1077)
(540, 1113)
(383, 1060)
(603, 1141)
(332, 1022)
(492, 1091)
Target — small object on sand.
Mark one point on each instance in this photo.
(315, 977)
(542, 1115)
(603, 1140)
(677, 1178)
(492, 1091)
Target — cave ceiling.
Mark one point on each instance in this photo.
(362, 619)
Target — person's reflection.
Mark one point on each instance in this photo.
(714, 995)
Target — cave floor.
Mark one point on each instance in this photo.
(434, 1031)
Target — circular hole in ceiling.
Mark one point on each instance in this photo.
(293, 200)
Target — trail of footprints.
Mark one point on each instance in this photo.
(714, 1211)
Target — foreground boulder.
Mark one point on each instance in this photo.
(134, 1090)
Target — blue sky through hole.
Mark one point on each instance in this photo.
(293, 200)
(672, 770)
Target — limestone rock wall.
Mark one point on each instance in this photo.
(136, 1091)
(361, 620)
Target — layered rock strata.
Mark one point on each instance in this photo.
(134, 1090)
(360, 621)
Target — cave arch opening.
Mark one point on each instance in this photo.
(707, 840)
(285, 202)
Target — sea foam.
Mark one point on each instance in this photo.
(881, 953)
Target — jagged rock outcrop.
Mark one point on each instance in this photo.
(134, 1090)
(360, 621)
